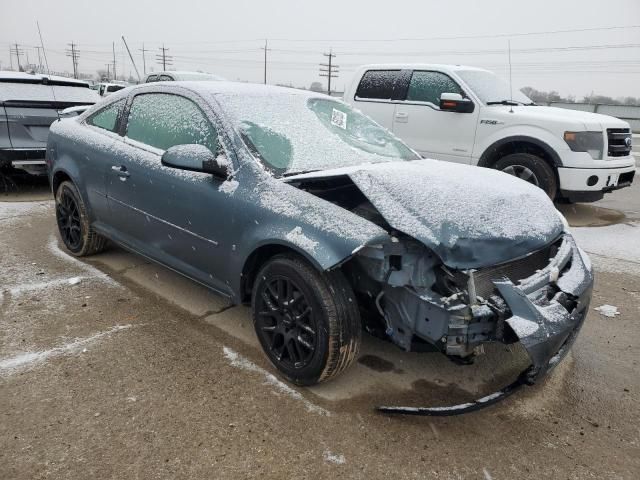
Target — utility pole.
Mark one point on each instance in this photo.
(10, 57)
(40, 69)
(108, 65)
(329, 70)
(74, 53)
(265, 59)
(163, 58)
(144, 59)
(17, 51)
(113, 46)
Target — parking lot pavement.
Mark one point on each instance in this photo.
(117, 368)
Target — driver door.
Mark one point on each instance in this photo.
(171, 215)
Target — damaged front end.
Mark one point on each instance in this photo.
(540, 299)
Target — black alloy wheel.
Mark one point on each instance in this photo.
(286, 321)
(68, 218)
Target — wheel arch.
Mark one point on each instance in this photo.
(259, 257)
(519, 144)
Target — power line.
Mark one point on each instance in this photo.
(266, 49)
(144, 58)
(74, 53)
(329, 69)
(164, 59)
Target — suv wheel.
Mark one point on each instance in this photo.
(73, 223)
(531, 169)
(307, 321)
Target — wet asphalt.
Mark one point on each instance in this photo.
(114, 368)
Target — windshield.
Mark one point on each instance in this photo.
(291, 133)
(37, 92)
(491, 88)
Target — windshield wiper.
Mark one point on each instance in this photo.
(505, 102)
(301, 172)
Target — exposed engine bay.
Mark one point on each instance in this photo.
(411, 298)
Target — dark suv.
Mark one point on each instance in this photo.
(29, 103)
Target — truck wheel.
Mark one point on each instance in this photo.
(73, 223)
(307, 322)
(531, 169)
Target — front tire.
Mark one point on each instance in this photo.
(307, 322)
(532, 169)
(74, 227)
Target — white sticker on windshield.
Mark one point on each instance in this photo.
(339, 119)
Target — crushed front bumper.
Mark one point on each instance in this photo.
(547, 327)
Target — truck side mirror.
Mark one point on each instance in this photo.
(453, 102)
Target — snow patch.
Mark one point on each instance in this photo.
(238, 361)
(228, 186)
(522, 327)
(607, 310)
(334, 458)
(298, 238)
(11, 364)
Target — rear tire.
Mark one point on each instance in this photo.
(74, 227)
(531, 169)
(307, 322)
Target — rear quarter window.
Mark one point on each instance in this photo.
(378, 84)
(107, 118)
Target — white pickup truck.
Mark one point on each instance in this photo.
(469, 115)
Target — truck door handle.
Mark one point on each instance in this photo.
(402, 117)
(121, 170)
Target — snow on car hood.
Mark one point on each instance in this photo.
(471, 217)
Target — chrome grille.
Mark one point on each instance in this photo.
(618, 145)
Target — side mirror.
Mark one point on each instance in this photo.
(453, 102)
(195, 158)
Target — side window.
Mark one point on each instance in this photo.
(152, 78)
(378, 84)
(163, 120)
(107, 118)
(428, 86)
(165, 78)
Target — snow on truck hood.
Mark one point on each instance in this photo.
(470, 217)
(581, 119)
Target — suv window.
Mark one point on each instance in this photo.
(378, 84)
(428, 86)
(163, 120)
(165, 78)
(152, 78)
(107, 118)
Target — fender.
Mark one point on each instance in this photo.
(551, 152)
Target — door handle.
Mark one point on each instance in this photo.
(402, 117)
(121, 171)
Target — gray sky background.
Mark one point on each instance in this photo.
(225, 37)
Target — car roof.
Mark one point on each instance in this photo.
(420, 66)
(239, 88)
(7, 75)
(178, 73)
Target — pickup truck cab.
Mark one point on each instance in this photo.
(29, 103)
(469, 115)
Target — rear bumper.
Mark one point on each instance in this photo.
(589, 184)
(31, 160)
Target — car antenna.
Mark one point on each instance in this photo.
(510, 77)
(44, 51)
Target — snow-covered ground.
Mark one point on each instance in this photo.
(612, 248)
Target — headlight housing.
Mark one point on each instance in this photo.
(590, 142)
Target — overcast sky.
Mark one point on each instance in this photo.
(225, 37)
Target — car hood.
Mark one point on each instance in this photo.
(543, 114)
(470, 217)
